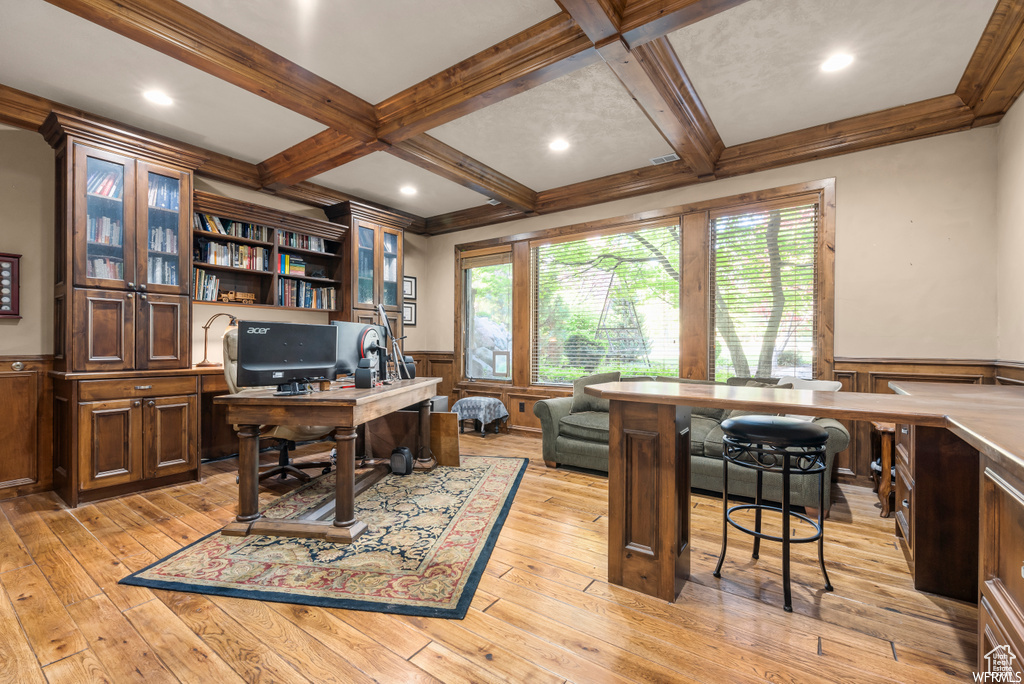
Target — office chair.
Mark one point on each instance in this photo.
(286, 435)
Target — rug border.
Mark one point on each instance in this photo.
(456, 613)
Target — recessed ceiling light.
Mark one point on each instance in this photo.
(559, 145)
(838, 61)
(407, 190)
(158, 97)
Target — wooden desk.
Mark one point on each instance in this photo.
(648, 476)
(345, 409)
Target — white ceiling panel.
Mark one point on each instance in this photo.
(757, 69)
(376, 49)
(379, 176)
(54, 54)
(589, 108)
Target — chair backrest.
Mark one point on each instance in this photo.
(231, 358)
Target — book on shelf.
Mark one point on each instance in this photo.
(302, 295)
(103, 230)
(208, 223)
(105, 184)
(162, 270)
(163, 239)
(163, 193)
(205, 286)
(237, 256)
(110, 268)
(289, 264)
(312, 243)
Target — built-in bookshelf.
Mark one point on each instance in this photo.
(261, 257)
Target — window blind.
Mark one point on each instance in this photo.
(763, 282)
(606, 302)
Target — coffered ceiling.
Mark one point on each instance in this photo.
(329, 100)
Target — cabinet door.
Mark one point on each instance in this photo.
(364, 254)
(103, 338)
(391, 269)
(103, 196)
(171, 428)
(163, 242)
(109, 443)
(161, 332)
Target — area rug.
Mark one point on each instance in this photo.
(428, 540)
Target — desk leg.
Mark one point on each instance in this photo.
(424, 457)
(248, 480)
(346, 528)
(648, 498)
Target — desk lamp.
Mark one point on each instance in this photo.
(206, 363)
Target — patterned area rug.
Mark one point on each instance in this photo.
(429, 537)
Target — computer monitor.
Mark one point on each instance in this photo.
(358, 341)
(285, 354)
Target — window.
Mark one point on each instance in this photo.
(487, 316)
(763, 289)
(605, 303)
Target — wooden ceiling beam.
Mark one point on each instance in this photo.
(542, 53)
(599, 19)
(657, 82)
(646, 20)
(475, 217)
(435, 156)
(994, 77)
(188, 36)
(324, 151)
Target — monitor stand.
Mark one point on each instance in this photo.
(292, 388)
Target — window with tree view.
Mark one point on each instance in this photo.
(763, 269)
(487, 288)
(605, 303)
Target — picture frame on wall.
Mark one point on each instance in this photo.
(409, 313)
(10, 267)
(409, 287)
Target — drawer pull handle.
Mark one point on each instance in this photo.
(143, 387)
(151, 403)
(906, 503)
(905, 430)
(136, 403)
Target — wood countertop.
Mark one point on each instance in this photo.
(348, 396)
(988, 417)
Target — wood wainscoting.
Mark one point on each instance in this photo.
(431, 364)
(26, 430)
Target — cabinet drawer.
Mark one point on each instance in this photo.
(904, 505)
(132, 388)
(904, 438)
(992, 635)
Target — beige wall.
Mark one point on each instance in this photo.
(27, 228)
(915, 247)
(1010, 224)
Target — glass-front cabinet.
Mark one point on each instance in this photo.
(163, 265)
(376, 266)
(366, 265)
(390, 240)
(105, 234)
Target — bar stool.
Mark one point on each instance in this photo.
(781, 445)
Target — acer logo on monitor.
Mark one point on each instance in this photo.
(257, 331)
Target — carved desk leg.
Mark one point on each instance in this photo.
(424, 457)
(648, 498)
(346, 528)
(248, 481)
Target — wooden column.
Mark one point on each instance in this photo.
(424, 457)
(346, 527)
(648, 498)
(248, 473)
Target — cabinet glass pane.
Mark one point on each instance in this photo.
(162, 238)
(390, 275)
(365, 273)
(104, 229)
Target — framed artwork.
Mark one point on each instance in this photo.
(9, 282)
(409, 313)
(500, 364)
(409, 287)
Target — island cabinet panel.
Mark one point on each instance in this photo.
(1001, 611)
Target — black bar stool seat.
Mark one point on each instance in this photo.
(774, 444)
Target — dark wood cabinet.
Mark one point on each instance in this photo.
(937, 510)
(373, 256)
(123, 265)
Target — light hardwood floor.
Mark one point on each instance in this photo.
(543, 612)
